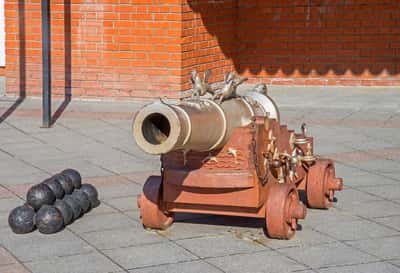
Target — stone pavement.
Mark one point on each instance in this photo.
(360, 129)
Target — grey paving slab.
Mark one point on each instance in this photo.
(373, 209)
(6, 257)
(184, 267)
(327, 255)
(11, 135)
(150, 255)
(14, 268)
(391, 221)
(30, 125)
(17, 178)
(222, 245)
(350, 197)
(7, 204)
(4, 219)
(355, 230)
(194, 228)
(117, 190)
(264, 261)
(382, 166)
(306, 236)
(365, 268)
(102, 209)
(123, 203)
(90, 223)
(395, 262)
(122, 237)
(385, 191)
(317, 217)
(85, 167)
(367, 179)
(45, 246)
(385, 248)
(84, 263)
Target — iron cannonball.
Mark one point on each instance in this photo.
(65, 183)
(75, 177)
(49, 220)
(39, 195)
(65, 210)
(21, 219)
(55, 187)
(74, 205)
(82, 199)
(92, 194)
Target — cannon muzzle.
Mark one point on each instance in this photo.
(196, 124)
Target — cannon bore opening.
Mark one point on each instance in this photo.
(156, 128)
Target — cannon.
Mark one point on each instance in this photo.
(225, 153)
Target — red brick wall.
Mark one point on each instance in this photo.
(321, 42)
(99, 48)
(208, 37)
(147, 48)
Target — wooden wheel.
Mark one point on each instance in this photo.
(149, 204)
(322, 184)
(283, 209)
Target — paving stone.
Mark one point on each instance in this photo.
(374, 209)
(111, 187)
(4, 219)
(140, 177)
(265, 261)
(385, 248)
(351, 197)
(222, 245)
(18, 178)
(36, 246)
(395, 262)
(123, 203)
(368, 179)
(332, 216)
(385, 191)
(149, 255)
(83, 263)
(14, 268)
(304, 237)
(355, 230)
(101, 209)
(391, 221)
(125, 237)
(89, 223)
(194, 228)
(6, 258)
(5, 193)
(32, 152)
(365, 268)
(85, 167)
(327, 255)
(12, 135)
(382, 166)
(7, 204)
(185, 267)
(134, 215)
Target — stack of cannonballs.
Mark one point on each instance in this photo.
(54, 203)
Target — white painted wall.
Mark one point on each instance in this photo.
(2, 35)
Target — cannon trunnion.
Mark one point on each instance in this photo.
(249, 164)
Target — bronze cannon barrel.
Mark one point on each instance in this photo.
(196, 124)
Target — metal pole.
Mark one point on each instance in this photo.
(46, 77)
